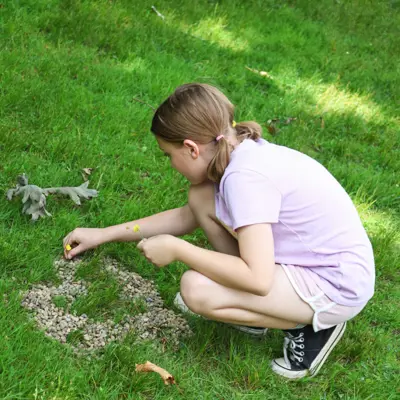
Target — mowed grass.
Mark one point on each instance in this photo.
(69, 73)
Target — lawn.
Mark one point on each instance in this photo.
(71, 72)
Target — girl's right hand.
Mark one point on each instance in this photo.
(82, 239)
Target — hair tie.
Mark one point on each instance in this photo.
(233, 123)
(218, 138)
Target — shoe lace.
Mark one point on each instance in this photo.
(291, 345)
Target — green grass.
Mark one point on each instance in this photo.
(60, 302)
(68, 73)
(103, 300)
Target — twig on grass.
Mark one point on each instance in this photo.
(157, 12)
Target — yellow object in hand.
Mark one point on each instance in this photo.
(68, 247)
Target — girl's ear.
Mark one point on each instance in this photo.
(193, 148)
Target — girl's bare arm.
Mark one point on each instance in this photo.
(176, 222)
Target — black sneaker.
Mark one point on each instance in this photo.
(305, 351)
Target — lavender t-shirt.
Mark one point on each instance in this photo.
(314, 221)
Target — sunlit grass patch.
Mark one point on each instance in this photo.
(214, 30)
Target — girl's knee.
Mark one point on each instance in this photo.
(195, 291)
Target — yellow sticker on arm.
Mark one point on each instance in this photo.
(136, 228)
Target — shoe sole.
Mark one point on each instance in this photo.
(287, 373)
(331, 343)
(250, 331)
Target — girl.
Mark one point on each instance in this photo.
(290, 250)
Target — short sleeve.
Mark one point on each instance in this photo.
(251, 198)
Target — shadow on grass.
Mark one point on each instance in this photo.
(332, 41)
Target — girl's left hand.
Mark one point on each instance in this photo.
(159, 250)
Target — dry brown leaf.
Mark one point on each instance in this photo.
(271, 126)
(86, 172)
(322, 123)
(289, 120)
(163, 341)
(273, 120)
(150, 367)
(272, 129)
(261, 73)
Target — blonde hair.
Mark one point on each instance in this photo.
(201, 113)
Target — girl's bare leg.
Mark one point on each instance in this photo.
(282, 308)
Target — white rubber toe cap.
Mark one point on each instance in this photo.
(280, 367)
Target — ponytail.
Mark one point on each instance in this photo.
(244, 130)
(248, 130)
(220, 161)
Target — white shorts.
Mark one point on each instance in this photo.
(327, 313)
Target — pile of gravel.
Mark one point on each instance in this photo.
(157, 323)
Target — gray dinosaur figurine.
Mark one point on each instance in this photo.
(34, 197)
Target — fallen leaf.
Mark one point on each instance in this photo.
(86, 172)
(150, 367)
(163, 341)
(261, 73)
(266, 74)
(322, 123)
(272, 129)
(289, 120)
(274, 120)
(272, 124)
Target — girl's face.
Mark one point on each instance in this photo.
(189, 159)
